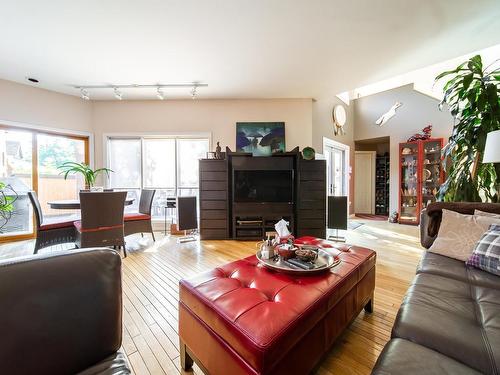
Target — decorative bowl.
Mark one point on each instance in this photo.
(286, 252)
(308, 153)
(307, 253)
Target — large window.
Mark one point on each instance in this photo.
(29, 161)
(167, 164)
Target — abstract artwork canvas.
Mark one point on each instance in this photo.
(260, 138)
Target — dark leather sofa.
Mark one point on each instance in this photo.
(449, 321)
(62, 314)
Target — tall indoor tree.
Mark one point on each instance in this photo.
(472, 96)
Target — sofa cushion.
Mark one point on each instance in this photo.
(459, 233)
(115, 364)
(486, 254)
(455, 269)
(405, 357)
(457, 319)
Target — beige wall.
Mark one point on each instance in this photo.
(418, 110)
(216, 116)
(323, 127)
(34, 106)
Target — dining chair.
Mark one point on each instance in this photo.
(140, 222)
(102, 220)
(50, 231)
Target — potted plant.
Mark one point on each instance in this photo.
(89, 174)
(472, 95)
(7, 198)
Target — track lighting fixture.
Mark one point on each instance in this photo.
(84, 94)
(117, 93)
(159, 93)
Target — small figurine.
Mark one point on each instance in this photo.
(394, 217)
(218, 151)
(426, 134)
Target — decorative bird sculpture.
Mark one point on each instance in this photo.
(389, 114)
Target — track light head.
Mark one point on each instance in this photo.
(193, 92)
(159, 93)
(118, 94)
(84, 94)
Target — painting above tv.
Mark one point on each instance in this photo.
(260, 138)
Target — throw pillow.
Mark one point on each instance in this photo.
(486, 254)
(459, 233)
(484, 213)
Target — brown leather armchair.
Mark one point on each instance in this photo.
(62, 314)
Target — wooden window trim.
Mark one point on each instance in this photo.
(34, 166)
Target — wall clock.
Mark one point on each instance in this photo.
(339, 116)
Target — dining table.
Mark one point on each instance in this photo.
(74, 204)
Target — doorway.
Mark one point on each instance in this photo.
(29, 160)
(337, 167)
(372, 175)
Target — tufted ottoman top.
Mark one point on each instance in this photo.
(261, 314)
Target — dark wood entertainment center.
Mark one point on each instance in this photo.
(223, 217)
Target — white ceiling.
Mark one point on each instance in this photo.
(241, 48)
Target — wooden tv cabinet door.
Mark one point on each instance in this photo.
(311, 198)
(214, 207)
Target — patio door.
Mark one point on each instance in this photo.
(336, 174)
(28, 161)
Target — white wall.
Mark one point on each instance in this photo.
(216, 116)
(418, 110)
(31, 105)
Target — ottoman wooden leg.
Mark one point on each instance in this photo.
(186, 360)
(369, 306)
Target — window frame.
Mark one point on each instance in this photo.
(143, 136)
(35, 131)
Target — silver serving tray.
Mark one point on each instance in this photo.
(325, 260)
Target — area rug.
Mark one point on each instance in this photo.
(371, 217)
(351, 225)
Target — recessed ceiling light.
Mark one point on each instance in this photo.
(31, 79)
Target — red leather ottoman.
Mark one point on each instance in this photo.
(241, 318)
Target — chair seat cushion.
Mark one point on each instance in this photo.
(78, 226)
(134, 216)
(56, 225)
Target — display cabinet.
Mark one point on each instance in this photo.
(382, 172)
(420, 176)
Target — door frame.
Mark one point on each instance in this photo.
(372, 179)
(327, 142)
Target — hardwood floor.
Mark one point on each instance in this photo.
(151, 274)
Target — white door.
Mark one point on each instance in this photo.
(364, 182)
(335, 165)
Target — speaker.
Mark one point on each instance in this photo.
(186, 213)
(337, 212)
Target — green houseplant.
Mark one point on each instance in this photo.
(472, 95)
(89, 174)
(7, 198)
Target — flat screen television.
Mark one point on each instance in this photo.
(261, 186)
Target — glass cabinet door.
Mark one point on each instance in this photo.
(409, 182)
(431, 171)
